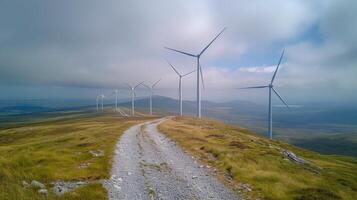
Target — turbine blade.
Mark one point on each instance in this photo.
(180, 52)
(127, 84)
(189, 73)
(173, 68)
(146, 86)
(277, 67)
(277, 94)
(138, 85)
(203, 83)
(209, 44)
(254, 87)
(153, 85)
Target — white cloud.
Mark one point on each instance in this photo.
(261, 69)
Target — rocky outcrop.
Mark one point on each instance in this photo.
(298, 160)
(61, 187)
(97, 153)
(37, 184)
(293, 157)
(42, 191)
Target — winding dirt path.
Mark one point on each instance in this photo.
(148, 165)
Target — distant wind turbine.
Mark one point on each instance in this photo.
(199, 70)
(271, 88)
(116, 100)
(151, 88)
(133, 96)
(102, 96)
(180, 83)
(97, 102)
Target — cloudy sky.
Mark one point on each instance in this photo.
(77, 49)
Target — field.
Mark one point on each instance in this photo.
(256, 167)
(52, 147)
(55, 146)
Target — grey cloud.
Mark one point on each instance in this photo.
(104, 43)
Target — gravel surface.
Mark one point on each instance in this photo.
(148, 165)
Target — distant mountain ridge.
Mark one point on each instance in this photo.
(22, 109)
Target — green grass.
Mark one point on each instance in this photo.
(248, 158)
(50, 149)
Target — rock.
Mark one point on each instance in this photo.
(97, 153)
(79, 183)
(37, 184)
(83, 165)
(42, 191)
(245, 186)
(293, 157)
(25, 184)
(61, 187)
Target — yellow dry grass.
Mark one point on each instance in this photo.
(245, 157)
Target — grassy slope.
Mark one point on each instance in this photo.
(249, 158)
(53, 149)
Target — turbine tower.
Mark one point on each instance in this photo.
(151, 88)
(271, 88)
(97, 102)
(180, 83)
(102, 96)
(116, 100)
(133, 96)
(199, 70)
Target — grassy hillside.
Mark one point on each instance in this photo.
(50, 149)
(256, 167)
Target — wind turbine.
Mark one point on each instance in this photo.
(271, 88)
(151, 88)
(102, 96)
(199, 70)
(180, 83)
(133, 96)
(116, 100)
(97, 102)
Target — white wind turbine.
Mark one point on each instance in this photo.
(116, 100)
(151, 88)
(271, 88)
(180, 83)
(97, 102)
(133, 96)
(199, 70)
(102, 96)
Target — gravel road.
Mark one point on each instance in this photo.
(148, 165)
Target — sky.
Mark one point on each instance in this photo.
(82, 48)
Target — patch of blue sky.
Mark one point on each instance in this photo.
(268, 56)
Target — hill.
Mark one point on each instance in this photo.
(262, 168)
(77, 146)
(66, 147)
(325, 128)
